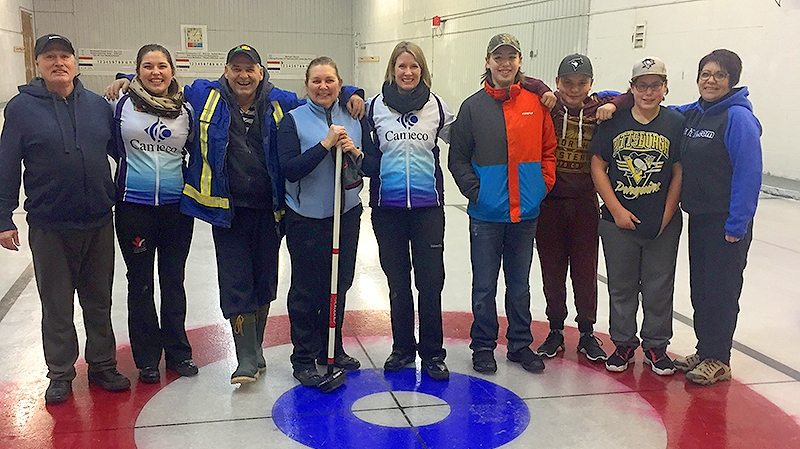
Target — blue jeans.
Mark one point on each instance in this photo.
(491, 243)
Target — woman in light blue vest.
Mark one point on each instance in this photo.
(305, 140)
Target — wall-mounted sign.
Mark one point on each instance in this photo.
(104, 61)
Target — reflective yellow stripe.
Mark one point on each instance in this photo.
(277, 112)
(205, 122)
(203, 196)
(205, 200)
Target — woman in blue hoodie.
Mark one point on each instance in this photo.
(721, 158)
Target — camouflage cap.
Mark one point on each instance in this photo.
(503, 39)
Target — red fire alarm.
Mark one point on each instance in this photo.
(436, 22)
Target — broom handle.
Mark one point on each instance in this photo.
(337, 219)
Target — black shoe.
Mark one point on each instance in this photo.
(110, 380)
(58, 392)
(589, 344)
(552, 344)
(436, 368)
(620, 359)
(483, 362)
(397, 361)
(149, 375)
(186, 368)
(308, 377)
(342, 361)
(529, 361)
(659, 361)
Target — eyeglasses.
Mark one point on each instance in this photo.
(643, 87)
(719, 76)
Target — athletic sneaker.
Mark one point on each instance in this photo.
(589, 344)
(659, 361)
(687, 363)
(709, 372)
(619, 360)
(552, 344)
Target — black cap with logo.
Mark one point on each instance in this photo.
(44, 43)
(576, 63)
(246, 50)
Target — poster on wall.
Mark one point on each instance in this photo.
(106, 61)
(194, 38)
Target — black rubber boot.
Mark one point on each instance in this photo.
(261, 324)
(244, 336)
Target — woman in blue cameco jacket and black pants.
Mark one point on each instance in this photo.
(721, 158)
(407, 200)
(152, 125)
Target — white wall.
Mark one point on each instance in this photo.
(763, 34)
(547, 30)
(12, 67)
(318, 27)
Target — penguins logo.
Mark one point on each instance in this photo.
(648, 62)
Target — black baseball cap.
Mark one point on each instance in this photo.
(576, 63)
(45, 42)
(243, 49)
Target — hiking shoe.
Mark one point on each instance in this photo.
(659, 361)
(342, 361)
(436, 368)
(186, 368)
(529, 361)
(687, 363)
(619, 360)
(483, 362)
(308, 377)
(397, 361)
(589, 344)
(149, 375)
(552, 344)
(109, 380)
(58, 392)
(709, 372)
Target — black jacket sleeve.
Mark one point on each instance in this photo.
(295, 164)
(459, 160)
(10, 167)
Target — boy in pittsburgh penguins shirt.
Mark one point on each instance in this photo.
(637, 172)
(568, 219)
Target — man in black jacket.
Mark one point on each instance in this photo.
(62, 133)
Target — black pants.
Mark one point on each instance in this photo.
(309, 241)
(716, 269)
(423, 228)
(247, 261)
(143, 230)
(65, 261)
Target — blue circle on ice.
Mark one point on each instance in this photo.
(482, 414)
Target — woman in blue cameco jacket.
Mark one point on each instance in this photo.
(721, 157)
(152, 125)
(407, 200)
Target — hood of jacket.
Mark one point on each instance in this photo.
(737, 97)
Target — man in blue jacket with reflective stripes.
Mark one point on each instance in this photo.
(233, 181)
